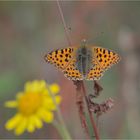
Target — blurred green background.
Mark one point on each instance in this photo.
(29, 30)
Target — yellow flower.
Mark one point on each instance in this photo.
(34, 105)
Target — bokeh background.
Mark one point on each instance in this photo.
(29, 30)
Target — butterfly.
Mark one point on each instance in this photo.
(83, 62)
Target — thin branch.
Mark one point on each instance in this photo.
(90, 113)
(64, 24)
(80, 105)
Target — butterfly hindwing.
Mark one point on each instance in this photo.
(60, 58)
(95, 72)
(106, 58)
(71, 72)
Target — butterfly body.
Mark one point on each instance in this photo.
(83, 62)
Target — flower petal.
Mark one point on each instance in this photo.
(27, 87)
(35, 86)
(38, 123)
(54, 88)
(45, 92)
(21, 126)
(30, 124)
(13, 122)
(49, 104)
(58, 99)
(11, 104)
(19, 95)
(47, 116)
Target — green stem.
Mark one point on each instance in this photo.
(62, 127)
(59, 129)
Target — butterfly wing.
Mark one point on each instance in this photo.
(95, 72)
(103, 59)
(60, 58)
(106, 58)
(64, 59)
(71, 72)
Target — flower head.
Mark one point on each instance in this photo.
(34, 105)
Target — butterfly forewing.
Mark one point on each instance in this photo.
(105, 58)
(60, 58)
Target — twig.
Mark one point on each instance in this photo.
(80, 105)
(64, 24)
(82, 83)
(90, 113)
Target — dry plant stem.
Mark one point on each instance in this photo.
(64, 24)
(97, 89)
(90, 113)
(80, 105)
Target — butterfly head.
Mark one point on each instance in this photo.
(83, 43)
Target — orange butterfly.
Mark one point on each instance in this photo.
(83, 62)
